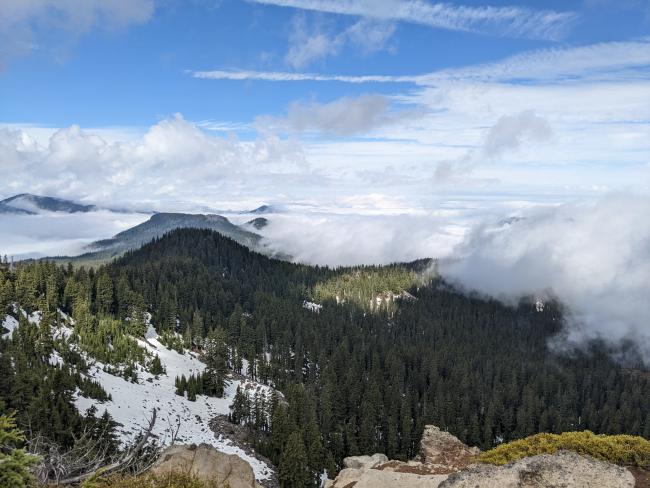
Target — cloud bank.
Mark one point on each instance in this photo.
(594, 257)
(171, 160)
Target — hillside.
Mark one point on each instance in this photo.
(353, 382)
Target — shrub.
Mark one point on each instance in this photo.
(624, 450)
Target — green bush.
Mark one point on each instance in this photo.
(626, 450)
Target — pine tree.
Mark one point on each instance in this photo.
(104, 292)
(293, 471)
(240, 408)
(156, 366)
(14, 462)
(191, 389)
(216, 361)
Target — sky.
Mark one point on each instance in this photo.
(387, 129)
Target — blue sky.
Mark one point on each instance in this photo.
(399, 101)
(135, 74)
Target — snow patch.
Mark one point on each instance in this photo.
(314, 307)
(132, 403)
(9, 323)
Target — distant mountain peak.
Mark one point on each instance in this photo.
(265, 209)
(27, 203)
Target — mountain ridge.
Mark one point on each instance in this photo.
(30, 204)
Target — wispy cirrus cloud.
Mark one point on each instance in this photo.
(242, 75)
(519, 22)
(602, 61)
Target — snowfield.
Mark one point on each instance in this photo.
(132, 403)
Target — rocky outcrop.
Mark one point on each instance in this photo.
(440, 447)
(445, 462)
(564, 469)
(440, 455)
(207, 464)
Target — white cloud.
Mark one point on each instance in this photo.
(511, 131)
(611, 61)
(309, 43)
(22, 21)
(342, 117)
(594, 257)
(371, 35)
(239, 75)
(353, 238)
(506, 21)
(58, 234)
(168, 162)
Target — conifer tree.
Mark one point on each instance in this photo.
(293, 471)
(14, 462)
(216, 361)
(156, 366)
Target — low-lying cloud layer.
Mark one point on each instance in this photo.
(60, 234)
(594, 257)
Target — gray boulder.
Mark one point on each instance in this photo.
(564, 469)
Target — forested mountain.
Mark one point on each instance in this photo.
(356, 379)
(159, 224)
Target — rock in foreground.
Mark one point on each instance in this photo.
(564, 469)
(206, 463)
(445, 462)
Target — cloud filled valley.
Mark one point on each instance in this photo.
(591, 255)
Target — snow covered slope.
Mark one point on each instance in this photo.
(132, 403)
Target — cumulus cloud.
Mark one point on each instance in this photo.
(171, 159)
(342, 117)
(23, 22)
(594, 257)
